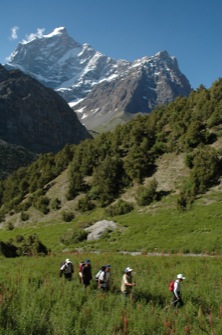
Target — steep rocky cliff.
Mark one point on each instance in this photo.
(34, 116)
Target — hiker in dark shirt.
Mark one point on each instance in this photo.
(86, 273)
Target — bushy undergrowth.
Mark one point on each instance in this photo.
(157, 228)
(74, 236)
(119, 208)
(23, 246)
(145, 195)
(68, 216)
(34, 300)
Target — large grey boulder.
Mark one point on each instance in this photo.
(97, 229)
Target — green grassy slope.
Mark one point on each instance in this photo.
(155, 228)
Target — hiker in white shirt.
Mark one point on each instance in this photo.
(104, 277)
(67, 269)
(127, 282)
(177, 298)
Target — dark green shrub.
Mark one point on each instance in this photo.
(159, 148)
(77, 184)
(8, 249)
(94, 192)
(19, 238)
(41, 203)
(75, 236)
(108, 180)
(24, 216)
(206, 165)
(186, 195)
(216, 117)
(32, 246)
(25, 205)
(138, 163)
(10, 226)
(85, 204)
(146, 194)
(119, 208)
(68, 216)
(55, 204)
(189, 160)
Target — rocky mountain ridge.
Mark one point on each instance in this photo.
(34, 116)
(99, 88)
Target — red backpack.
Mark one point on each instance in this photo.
(171, 286)
(81, 265)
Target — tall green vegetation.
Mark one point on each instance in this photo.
(35, 300)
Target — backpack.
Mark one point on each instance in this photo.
(69, 268)
(171, 286)
(99, 272)
(66, 268)
(81, 265)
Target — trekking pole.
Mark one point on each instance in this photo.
(170, 304)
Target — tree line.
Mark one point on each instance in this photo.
(101, 168)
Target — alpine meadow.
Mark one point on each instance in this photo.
(158, 178)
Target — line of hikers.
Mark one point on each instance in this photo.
(85, 273)
(102, 278)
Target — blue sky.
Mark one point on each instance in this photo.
(190, 30)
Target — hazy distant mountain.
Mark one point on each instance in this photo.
(34, 116)
(99, 88)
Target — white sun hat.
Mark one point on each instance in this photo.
(180, 276)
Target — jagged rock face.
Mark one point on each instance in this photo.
(34, 116)
(100, 88)
(61, 63)
(153, 81)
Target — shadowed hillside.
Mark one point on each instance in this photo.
(34, 116)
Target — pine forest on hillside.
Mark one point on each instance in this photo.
(101, 169)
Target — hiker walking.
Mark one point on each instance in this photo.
(104, 277)
(177, 298)
(81, 265)
(127, 282)
(67, 269)
(86, 273)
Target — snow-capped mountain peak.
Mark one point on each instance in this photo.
(39, 35)
(57, 31)
(81, 74)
